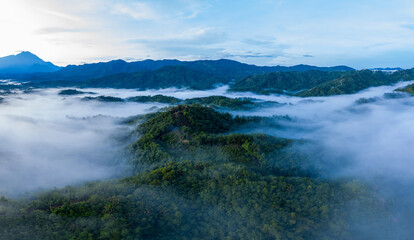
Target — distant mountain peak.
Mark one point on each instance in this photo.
(29, 56)
(25, 62)
(26, 53)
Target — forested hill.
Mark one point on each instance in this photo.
(196, 179)
(279, 82)
(303, 84)
(408, 89)
(169, 76)
(353, 82)
(319, 83)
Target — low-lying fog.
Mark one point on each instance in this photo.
(52, 141)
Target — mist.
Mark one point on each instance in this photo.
(52, 141)
(372, 138)
(49, 140)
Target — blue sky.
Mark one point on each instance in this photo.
(361, 34)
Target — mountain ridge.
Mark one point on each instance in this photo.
(223, 68)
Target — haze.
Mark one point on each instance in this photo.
(52, 141)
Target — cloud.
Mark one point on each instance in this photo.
(258, 42)
(198, 42)
(191, 9)
(354, 140)
(196, 36)
(155, 10)
(308, 56)
(52, 141)
(255, 55)
(60, 14)
(54, 30)
(408, 26)
(136, 10)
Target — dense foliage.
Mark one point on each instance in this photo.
(318, 83)
(279, 82)
(169, 76)
(156, 98)
(350, 83)
(213, 101)
(353, 82)
(195, 179)
(301, 80)
(408, 89)
(69, 92)
(221, 101)
(104, 99)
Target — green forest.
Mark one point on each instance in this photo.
(301, 80)
(408, 89)
(319, 83)
(218, 102)
(193, 176)
(169, 76)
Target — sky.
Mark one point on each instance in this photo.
(357, 33)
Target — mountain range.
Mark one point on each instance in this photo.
(33, 68)
(300, 80)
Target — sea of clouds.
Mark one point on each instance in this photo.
(49, 140)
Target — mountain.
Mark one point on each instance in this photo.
(280, 82)
(223, 68)
(97, 70)
(25, 63)
(353, 82)
(231, 69)
(165, 77)
(319, 83)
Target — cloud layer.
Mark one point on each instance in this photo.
(50, 141)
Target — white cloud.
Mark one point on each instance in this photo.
(194, 43)
(136, 10)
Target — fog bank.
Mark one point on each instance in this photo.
(52, 141)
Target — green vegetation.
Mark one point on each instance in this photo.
(169, 76)
(350, 83)
(211, 101)
(408, 89)
(278, 82)
(353, 82)
(318, 83)
(103, 99)
(221, 101)
(195, 179)
(73, 92)
(156, 98)
(203, 75)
